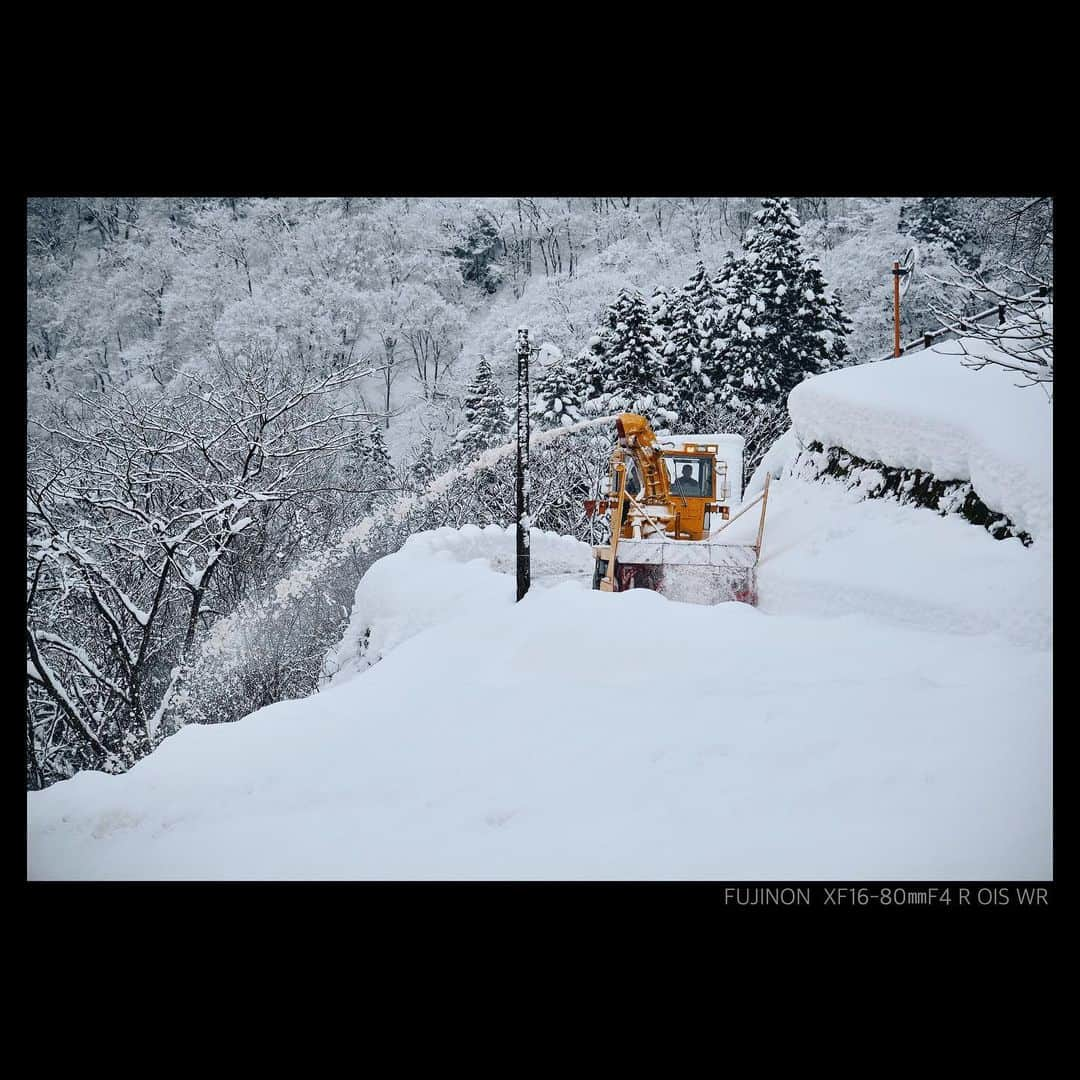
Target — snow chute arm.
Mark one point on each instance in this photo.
(638, 439)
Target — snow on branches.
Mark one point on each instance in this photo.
(133, 509)
(1022, 341)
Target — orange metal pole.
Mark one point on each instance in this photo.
(896, 308)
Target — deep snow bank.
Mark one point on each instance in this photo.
(927, 411)
(828, 552)
(441, 575)
(538, 740)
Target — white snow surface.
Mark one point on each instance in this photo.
(880, 716)
(776, 459)
(827, 552)
(928, 411)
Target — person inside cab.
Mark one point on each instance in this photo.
(686, 484)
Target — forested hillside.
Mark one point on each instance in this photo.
(236, 405)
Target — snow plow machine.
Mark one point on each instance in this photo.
(664, 495)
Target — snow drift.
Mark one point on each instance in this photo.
(539, 741)
(827, 552)
(440, 575)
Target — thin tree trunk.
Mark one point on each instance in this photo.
(36, 782)
(389, 376)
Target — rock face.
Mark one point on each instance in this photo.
(914, 487)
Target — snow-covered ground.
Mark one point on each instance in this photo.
(883, 714)
(582, 735)
(827, 553)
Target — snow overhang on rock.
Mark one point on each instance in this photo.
(929, 411)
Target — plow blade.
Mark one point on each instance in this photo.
(689, 573)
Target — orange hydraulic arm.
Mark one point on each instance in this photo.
(635, 436)
(636, 440)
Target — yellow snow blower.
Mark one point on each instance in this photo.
(662, 494)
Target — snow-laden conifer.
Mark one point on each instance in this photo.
(486, 418)
(940, 220)
(778, 323)
(558, 398)
(627, 369)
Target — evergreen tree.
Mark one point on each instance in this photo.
(630, 370)
(487, 422)
(825, 316)
(941, 221)
(722, 280)
(558, 396)
(693, 318)
(477, 251)
(722, 288)
(660, 310)
(591, 365)
(778, 325)
(425, 467)
(381, 468)
(368, 464)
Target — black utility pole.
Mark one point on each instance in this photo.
(523, 566)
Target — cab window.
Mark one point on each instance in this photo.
(690, 476)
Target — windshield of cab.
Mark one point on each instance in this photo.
(689, 476)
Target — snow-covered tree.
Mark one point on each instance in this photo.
(424, 467)
(1017, 232)
(824, 315)
(135, 512)
(943, 221)
(591, 364)
(778, 325)
(627, 372)
(433, 332)
(693, 316)
(487, 421)
(477, 246)
(368, 464)
(1024, 343)
(660, 309)
(558, 398)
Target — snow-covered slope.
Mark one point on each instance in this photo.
(826, 553)
(539, 740)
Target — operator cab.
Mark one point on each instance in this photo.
(694, 472)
